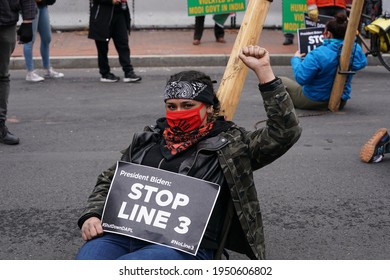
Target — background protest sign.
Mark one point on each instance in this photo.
(203, 7)
(293, 15)
(159, 206)
(321, 22)
(310, 38)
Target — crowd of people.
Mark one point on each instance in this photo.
(193, 139)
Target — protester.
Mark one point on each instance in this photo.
(41, 24)
(9, 17)
(111, 19)
(325, 7)
(315, 72)
(375, 149)
(193, 140)
(219, 31)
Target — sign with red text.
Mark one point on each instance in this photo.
(159, 206)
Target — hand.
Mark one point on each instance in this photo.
(91, 228)
(257, 59)
(300, 55)
(313, 15)
(25, 32)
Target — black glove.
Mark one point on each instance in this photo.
(25, 33)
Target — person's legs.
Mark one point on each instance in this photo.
(120, 37)
(219, 33)
(107, 247)
(7, 46)
(299, 99)
(102, 51)
(44, 31)
(114, 246)
(28, 47)
(159, 252)
(199, 27)
(32, 76)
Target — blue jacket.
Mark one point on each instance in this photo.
(316, 72)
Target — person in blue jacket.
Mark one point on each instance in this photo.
(315, 72)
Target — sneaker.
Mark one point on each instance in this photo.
(374, 149)
(109, 78)
(131, 77)
(32, 76)
(51, 74)
(7, 137)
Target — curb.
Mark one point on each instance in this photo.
(74, 62)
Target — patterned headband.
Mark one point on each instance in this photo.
(189, 90)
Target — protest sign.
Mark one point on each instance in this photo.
(293, 15)
(203, 7)
(159, 206)
(321, 22)
(310, 38)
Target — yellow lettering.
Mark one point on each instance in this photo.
(298, 8)
(212, 9)
(299, 17)
(196, 10)
(290, 26)
(236, 6)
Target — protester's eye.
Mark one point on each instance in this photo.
(188, 106)
(170, 107)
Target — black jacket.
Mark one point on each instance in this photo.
(100, 18)
(239, 153)
(9, 11)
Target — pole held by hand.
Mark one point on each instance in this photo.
(229, 91)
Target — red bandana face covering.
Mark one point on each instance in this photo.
(186, 120)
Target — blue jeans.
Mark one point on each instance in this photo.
(119, 247)
(41, 24)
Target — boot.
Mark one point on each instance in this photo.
(288, 39)
(7, 137)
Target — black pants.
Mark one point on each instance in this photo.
(219, 32)
(120, 37)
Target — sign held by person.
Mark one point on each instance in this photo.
(204, 7)
(293, 15)
(310, 38)
(158, 206)
(322, 21)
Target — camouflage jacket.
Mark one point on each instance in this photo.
(239, 153)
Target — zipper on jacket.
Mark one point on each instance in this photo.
(97, 11)
(209, 149)
(159, 165)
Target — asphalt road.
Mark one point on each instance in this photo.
(318, 201)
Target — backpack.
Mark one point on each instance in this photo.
(381, 27)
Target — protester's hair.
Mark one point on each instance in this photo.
(338, 26)
(197, 76)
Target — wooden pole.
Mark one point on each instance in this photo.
(232, 83)
(339, 82)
